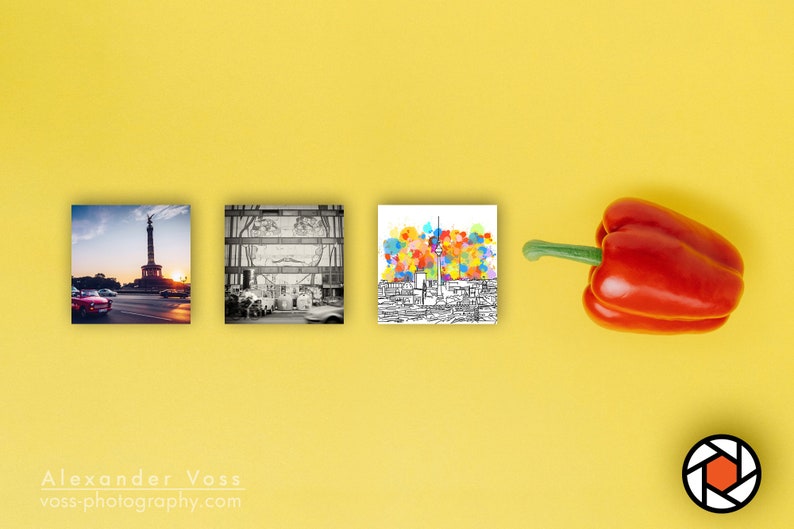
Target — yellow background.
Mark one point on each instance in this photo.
(548, 109)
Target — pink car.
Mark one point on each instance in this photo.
(89, 303)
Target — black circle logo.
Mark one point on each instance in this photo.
(721, 473)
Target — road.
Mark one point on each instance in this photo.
(293, 316)
(143, 308)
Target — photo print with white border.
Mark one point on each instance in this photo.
(437, 264)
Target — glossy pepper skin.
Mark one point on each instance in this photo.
(661, 272)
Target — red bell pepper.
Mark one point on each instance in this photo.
(654, 270)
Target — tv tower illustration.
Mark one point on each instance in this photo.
(438, 259)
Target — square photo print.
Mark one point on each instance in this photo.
(437, 264)
(130, 264)
(284, 264)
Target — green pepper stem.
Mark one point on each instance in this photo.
(535, 249)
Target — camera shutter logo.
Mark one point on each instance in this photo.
(721, 473)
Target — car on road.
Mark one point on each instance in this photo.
(107, 293)
(329, 313)
(89, 303)
(172, 293)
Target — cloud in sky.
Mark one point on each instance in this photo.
(86, 229)
(160, 212)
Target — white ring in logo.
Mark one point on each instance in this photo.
(721, 473)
